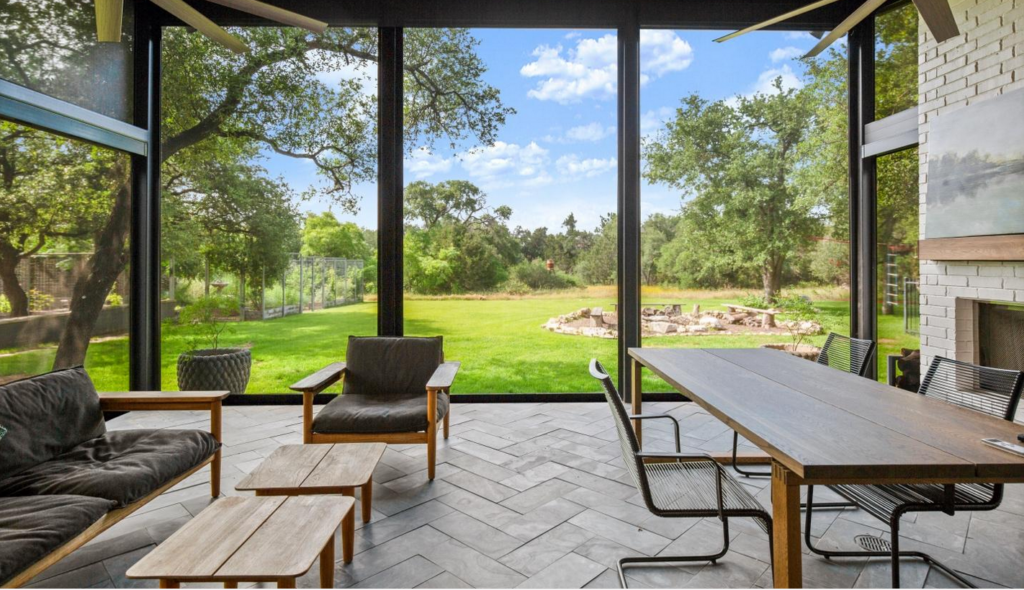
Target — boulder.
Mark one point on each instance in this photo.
(711, 322)
(661, 327)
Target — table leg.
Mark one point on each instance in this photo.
(637, 401)
(786, 527)
(231, 584)
(286, 583)
(367, 499)
(348, 528)
(215, 430)
(169, 583)
(327, 564)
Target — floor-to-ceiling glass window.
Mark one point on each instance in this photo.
(510, 200)
(898, 190)
(268, 207)
(744, 203)
(64, 204)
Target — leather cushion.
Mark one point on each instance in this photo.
(349, 414)
(45, 416)
(391, 366)
(33, 527)
(123, 466)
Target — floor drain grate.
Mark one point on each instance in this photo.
(873, 543)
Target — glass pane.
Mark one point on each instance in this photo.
(269, 223)
(63, 257)
(896, 61)
(50, 46)
(745, 212)
(510, 238)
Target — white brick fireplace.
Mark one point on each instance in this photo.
(985, 61)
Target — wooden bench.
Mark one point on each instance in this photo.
(767, 315)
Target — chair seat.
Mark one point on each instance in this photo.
(691, 486)
(33, 527)
(123, 466)
(377, 414)
(882, 501)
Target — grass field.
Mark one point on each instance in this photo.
(499, 341)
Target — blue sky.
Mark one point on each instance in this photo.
(557, 154)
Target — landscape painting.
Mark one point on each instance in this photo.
(976, 170)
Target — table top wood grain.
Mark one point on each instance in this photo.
(311, 469)
(829, 426)
(247, 539)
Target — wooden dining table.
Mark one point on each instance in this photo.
(820, 426)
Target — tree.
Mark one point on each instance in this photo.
(449, 200)
(737, 160)
(657, 231)
(597, 265)
(324, 235)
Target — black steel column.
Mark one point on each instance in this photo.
(144, 243)
(863, 188)
(389, 183)
(629, 197)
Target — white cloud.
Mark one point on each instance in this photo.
(362, 73)
(421, 163)
(785, 53)
(801, 35)
(654, 119)
(570, 165)
(590, 132)
(766, 81)
(588, 69)
(662, 52)
(504, 164)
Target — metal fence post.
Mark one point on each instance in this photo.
(301, 286)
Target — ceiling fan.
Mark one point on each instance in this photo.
(108, 19)
(936, 14)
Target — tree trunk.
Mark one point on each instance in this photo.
(771, 279)
(106, 264)
(16, 296)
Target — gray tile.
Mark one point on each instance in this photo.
(445, 580)
(640, 540)
(598, 484)
(609, 578)
(473, 533)
(479, 508)
(411, 572)
(470, 565)
(539, 495)
(481, 486)
(381, 531)
(482, 468)
(735, 570)
(546, 549)
(571, 571)
(542, 519)
(611, 506)
(90, 576)
(535, 475)
(97, 551)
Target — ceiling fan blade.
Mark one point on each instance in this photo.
(777, 19)
(275, 14)
(207, 27)
(863, 11)
(939, 17)
(108, 20)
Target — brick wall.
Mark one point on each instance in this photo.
(986, 60)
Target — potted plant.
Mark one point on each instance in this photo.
(206, 366)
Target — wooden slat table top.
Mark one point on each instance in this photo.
(164, 396)
(247, 539)
(826, 425)
(320, 468)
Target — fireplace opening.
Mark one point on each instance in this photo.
(1000, 335)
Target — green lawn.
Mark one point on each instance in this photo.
(500, 343)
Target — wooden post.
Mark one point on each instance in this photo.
(366, 495)
(215, 430)
(637, 402)
(431, 432)
(348, 528)
(327, 564)
(786, 527)
(307, 416)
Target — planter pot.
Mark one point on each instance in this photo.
(215, 369)
(804, 351)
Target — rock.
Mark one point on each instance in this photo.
(595, 321)
(611, 318)
(661, 327)
(696, 309)
(595, 311)
(658, 318)
(696, 329)
(711, 322)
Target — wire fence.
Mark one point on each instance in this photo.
(49, 281)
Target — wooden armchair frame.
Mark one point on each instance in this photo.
(126, 402)
(441, 381)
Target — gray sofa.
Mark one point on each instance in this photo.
(64, 478)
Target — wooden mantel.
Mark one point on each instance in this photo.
(1008, 247)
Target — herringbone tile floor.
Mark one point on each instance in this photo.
(535, 496)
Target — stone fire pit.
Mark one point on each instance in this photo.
(671, 320)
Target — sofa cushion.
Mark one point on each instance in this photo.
(389, 366)
(45, 416)
(347, 414)
(32, 527)
(123, 466)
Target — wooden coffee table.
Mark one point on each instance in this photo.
(239, 539)
(299, 470)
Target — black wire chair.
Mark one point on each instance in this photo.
(851, 355)
(988, 390)
(678, 485)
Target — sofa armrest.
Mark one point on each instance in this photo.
(126, 401)
(443, 376)
(320, 380)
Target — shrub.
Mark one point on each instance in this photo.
(38, 301)
(115, 300)
(204, 316)
(535, 275)
(5, 305)
(515, 287)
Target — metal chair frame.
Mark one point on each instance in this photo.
(949, 505)
(860, 355)
(634, 458)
